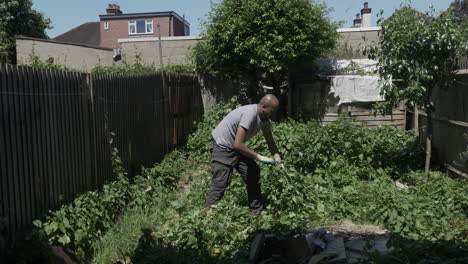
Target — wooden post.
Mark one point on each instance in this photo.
(93, 176)
(416, 121)
(166, 93)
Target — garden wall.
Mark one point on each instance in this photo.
(175, 50)
(74, 56)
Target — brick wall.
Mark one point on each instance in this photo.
(178, 27)
(118, 29)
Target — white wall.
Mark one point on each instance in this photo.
(74, 56)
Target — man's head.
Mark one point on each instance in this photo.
(267, 106)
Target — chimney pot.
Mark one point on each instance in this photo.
(358, 16)
(366, 15)
(113, 9)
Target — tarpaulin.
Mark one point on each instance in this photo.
(356, 88)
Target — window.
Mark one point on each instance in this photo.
(106, 25)
(143, 26)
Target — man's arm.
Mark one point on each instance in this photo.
(272, 145)
(240, 146)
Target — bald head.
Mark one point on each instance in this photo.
(267, 106)
(269, 100)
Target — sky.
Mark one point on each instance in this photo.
(68, 14)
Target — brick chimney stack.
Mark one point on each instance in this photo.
(366, 15)
(113, 10)
(357, 21)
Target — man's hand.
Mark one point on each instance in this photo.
(277, 158)
(265, 159)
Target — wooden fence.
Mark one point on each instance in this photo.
(462, 63)
(450, 125)
(55, 128)
(311, 99)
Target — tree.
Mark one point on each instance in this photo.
(17, 17)
(261, 39)
(422, 51)
(459, 10)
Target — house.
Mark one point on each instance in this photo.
(116, 25)
(87, 34)
(362, 33)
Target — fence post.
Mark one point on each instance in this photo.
(166, 93)
(88, 87)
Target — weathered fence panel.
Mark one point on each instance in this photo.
(43, 153)
(450, 124)
(55, 128)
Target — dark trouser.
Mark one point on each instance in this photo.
(223, 161)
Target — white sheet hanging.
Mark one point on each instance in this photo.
(356, 88)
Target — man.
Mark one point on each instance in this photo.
(229, 152)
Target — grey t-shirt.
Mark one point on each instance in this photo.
(247, 117)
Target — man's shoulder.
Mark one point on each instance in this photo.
(247, 107)
(251, 108)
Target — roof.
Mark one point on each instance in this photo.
(140, 15)
(127, 40)
(87, 34)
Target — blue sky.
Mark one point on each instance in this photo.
(67, 14)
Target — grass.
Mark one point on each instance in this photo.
(121, 241)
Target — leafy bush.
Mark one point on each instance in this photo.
(179, 68)
(36, 62)
(80, 224)
(125, 68)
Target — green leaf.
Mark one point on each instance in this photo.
(64, 240)
(37, 223)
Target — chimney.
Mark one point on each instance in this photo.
(366, 16)
(113, 10)
(357, 21)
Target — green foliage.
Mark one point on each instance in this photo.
(19, 18)
(79, 224)
(252, 38)
(331, 173)
(179, 68)
(36, 62)
(459, 12)
(419, 49)
(341, 171)
(353, 68)
(121, 241)
(137, 68)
